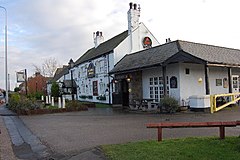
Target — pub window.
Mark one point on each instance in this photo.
(187, 71)
(151, 81)
(218, 82)
(156, 88)
(102, 88)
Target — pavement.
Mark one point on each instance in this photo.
(20, 142)
(79, 135)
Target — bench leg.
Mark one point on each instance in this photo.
(159, 134)
(222, 132)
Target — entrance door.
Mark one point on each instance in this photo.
(125, 92)
(235, 83)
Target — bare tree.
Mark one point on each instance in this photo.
(48, 67)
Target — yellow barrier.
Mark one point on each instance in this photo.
(213, 101)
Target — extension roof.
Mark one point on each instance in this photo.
(178, 51)
(59, 73)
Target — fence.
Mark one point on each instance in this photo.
(220, 101)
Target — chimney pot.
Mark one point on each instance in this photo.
(97, 33)
(130, 4)
(135, 6)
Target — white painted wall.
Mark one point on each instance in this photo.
(189, 84)
(173, 70)
(139, 34)
(217, 73)
(101, 76)
(137, 37)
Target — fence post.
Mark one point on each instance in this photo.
(59, 102)
(64, 103)
(47, 100)
(211, 103)
(52, 101)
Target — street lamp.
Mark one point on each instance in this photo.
(6, 70)
(71, 64)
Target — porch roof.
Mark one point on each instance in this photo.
(178, 51)
(68, 84)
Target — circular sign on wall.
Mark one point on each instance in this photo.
(147, 42)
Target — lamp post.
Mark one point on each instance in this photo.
(71, 64)
(6, 70)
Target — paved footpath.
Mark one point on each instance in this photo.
(23, 142)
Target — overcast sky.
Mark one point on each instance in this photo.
(63, 29)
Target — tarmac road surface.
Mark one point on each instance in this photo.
(77, 132)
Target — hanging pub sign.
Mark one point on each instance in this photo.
(147, 42)
(91, 71)
(20, 77)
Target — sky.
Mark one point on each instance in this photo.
(63, 29)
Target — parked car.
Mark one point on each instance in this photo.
(2, 99)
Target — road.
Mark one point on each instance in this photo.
(76, 132)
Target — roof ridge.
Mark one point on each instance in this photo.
(102, 49)
(184, 41)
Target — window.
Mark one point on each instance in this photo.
(218, 82)
(102, 88)
(187, 71)
(97, 64)
(101, 66)
(156, 88)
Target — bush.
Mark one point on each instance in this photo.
(90, 97)
(18, 102)
(169, 104)
(83, 96)
(75, 105)
(101, 98)
(55, 89)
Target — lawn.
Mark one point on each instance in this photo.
(207, 148)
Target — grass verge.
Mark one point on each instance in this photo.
(200, 148)
(101, 105)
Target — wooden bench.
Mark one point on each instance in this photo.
(221, 126)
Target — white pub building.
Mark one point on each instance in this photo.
(91, 70)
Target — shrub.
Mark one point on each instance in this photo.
(83, 96)
(90, 97)
(75, 105)
(101, 98)
(18, 102)
(169, 104)
(55, 89)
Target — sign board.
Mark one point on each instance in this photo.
(20, 77)
(147, 42)
(91, 70)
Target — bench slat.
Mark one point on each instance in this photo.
(191, 124)
(221, 126)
